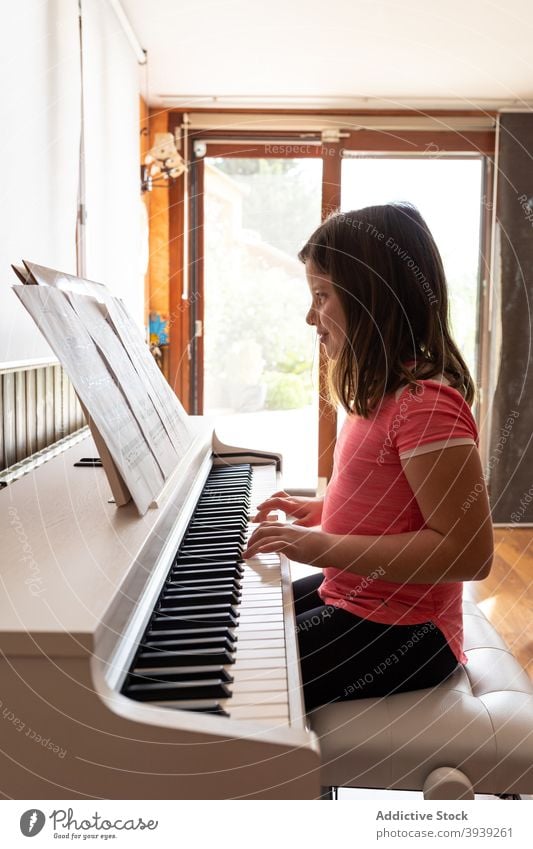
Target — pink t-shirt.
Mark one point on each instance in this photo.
(369, 495)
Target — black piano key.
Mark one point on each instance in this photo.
(212, 586)
(189, 673)
(172, 607)
(179, 644)
(172, 690)
(184, 597)
(214, 620)
(230, 514)
(207, 530)
(203, 572)
(201, 550)
(216, 521)
(193, 584)
(199, 706)
(224, 504)
(235, 503)
(187, 657)
(213, 523)
(221, 559)
(233, 473)
(237, 475)
(217, 516)
(210, 576)
(210, 530)
(199, 561)
(198, 592)
(207, 545)
(224, 491)
(211, 548)
(230, 474)
(219, 484)
(216, 551)
(228, 509)
(191, 633)
(242, 477)
(216, 537)
(184, 574)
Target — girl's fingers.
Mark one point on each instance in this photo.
(280, 494)
(273, 504)
(266, 548)
(263, 516)
(261, 537)
(265, 529)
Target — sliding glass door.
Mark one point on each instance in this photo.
(254, 361)
(260, 380)
(447, 191)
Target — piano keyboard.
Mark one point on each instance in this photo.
(215, 641)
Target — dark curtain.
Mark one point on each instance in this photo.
(510, 462)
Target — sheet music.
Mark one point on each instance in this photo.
(92, 315)
(95, 386)
(66, 282)
(173, 415)
(166, 403)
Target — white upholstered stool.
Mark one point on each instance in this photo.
(471, 734)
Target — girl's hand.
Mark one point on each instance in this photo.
(307, 511)
(298, 544)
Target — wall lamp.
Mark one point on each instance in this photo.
(162, 164)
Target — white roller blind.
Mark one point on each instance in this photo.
(39, 116)
(115, 235)
(295, 122)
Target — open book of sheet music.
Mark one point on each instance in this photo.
(137, 422)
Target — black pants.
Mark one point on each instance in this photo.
(345, 657)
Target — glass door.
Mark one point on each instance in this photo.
(260, 357)
(447, 191)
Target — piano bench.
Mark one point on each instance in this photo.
(471, 734)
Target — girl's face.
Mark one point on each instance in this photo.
(326, 312)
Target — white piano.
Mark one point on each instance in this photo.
(127, 674)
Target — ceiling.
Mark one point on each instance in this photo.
(335, 53)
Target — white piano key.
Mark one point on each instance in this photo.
(258, 698)
(265, 626)
(257, 684)
(256, 663)
(261, 713)
(256, 645)
(263, 676)
(250, 617)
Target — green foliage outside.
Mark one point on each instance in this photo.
(286, 391)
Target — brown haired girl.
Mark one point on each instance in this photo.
(398, 530)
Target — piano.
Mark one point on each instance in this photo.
(140, 656)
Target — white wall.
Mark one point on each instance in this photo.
(39, 144)
(39, 116)
(114, 206)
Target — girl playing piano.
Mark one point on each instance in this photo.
(405, 518)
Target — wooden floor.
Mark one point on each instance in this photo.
(506, 596)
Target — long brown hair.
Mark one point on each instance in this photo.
(388, 273)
